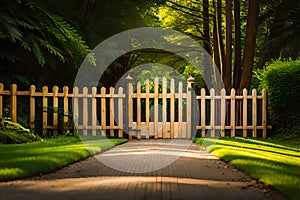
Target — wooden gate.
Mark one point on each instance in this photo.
(164, 111)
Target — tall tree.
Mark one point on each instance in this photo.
(250, 43)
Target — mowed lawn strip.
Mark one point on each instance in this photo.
(25, 160)
(272, 163)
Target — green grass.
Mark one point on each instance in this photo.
(25, 160)
(275, 164)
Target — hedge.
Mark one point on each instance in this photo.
(282, 81)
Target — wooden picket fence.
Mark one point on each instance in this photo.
(167, 110)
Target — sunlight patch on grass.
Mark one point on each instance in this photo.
(272, 163)
(24, 160)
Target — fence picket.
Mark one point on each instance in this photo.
(55, 110)
(103, 111)
(245, 108)
(223, 112)
(264, 113)
(94, 111)
(45, 109)
(232, 112)
(180, 111)
(172, 108)
(75, 108)
(85, 117)
(147, 111)
(156, 106)
(203, 112)
(13, 102)
(254, 111)
(120, 116)
(66, 108)
(212, 113)
(32, 106)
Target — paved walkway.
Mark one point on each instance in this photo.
(144, 169)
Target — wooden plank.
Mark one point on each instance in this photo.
(156, 106)
(172, 107)
(212, 112)
(55, 110)
(45, 109)
(129, 105)
(120, 114)
(75, 109)
(264, 112)
(254, 112)
(94, 111)
(31, 107)
(13, 103)
(245, 93)
(203, 112)
(180, 110)
(103, 111)
(189, 109)
(1, 100)
(164, 107)
(232, 112)
(85, 113)
(111, 112)
(66, 108)
(147, 111)
(138, 109)
(223, 112)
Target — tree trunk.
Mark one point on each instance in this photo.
(228, 56)
(220, 36)
(250, 43)
(237, 45)
(206, 30)
(216, 52)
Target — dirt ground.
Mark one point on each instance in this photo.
(146, 169)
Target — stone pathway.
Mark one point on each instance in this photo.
(146, 169)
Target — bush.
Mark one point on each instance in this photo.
(282, 81)
(14, 133)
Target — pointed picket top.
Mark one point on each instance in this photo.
(129, 78)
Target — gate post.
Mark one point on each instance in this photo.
(128, 107)
(189, 104)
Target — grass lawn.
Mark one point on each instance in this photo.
(24, 160)
(273, 163)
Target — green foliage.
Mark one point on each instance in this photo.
(24, 160)
(14, 133)
(26, 27)
(282, 81)
(269, 161)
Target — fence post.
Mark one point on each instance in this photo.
(129, 105)
(13, 103)
(1, 100)
(190, 113)
(32, 106)
(264, 112)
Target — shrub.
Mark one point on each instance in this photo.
(14, 133)
(282, 81)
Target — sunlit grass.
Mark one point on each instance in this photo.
(24, 160)
(272, 163)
